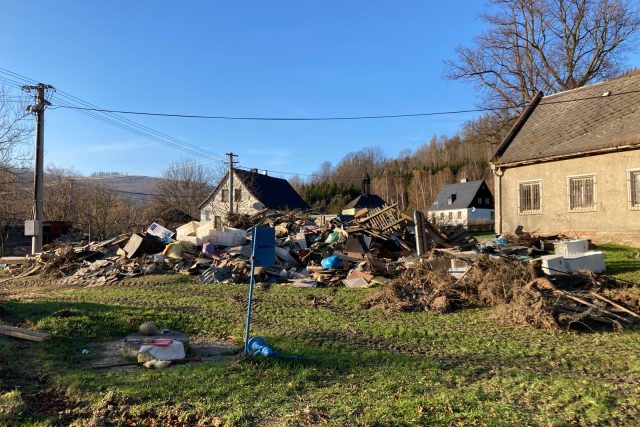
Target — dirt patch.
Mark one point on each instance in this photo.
(32, 287)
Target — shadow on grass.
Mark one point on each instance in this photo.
(75, 319)
(620, 259)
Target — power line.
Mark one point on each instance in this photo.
(331, 118)
(117, 121)
(297, 119)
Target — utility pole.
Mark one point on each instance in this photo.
(231, 190)
(34, 228)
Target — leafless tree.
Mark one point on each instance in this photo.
(184, 187)
(15, 128)
(14, 207)
(548, 45)
(296, 182)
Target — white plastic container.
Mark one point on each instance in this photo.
(188, 229)
(571, 247)
(228, 237)
(205, 230)
(553, 264)
(590, 261)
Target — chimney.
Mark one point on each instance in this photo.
(463, 180)
(264, 172)
(254, 170)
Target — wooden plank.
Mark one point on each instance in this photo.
(587, 303)
(375, 214)
(15, 260)
(26, 334)
(395, 224)
(618, 306)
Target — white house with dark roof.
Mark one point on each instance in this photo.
(571, 164)
(466, 203)
(253, 192)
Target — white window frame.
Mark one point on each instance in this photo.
(630, 204)
(531, 211)
(594, 207)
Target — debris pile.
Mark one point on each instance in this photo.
(518, 293)
(512, 273)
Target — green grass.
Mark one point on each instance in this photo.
(621, 262)
(369, 367)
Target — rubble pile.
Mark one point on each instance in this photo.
(513, 273)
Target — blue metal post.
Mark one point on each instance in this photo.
(251, 282)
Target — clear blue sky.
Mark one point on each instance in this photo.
(248, 58)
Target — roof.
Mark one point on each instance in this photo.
(272, 192)
(465, 194)
(577, 121)
(365, 201)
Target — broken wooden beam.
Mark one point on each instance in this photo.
(25, 334)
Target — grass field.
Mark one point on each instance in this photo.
(369, 367)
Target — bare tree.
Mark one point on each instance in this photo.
(15, 206)
(15, 128)
(184, 187)
(548, 45)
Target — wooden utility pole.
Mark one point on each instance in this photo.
(231, 190)
(34, 227)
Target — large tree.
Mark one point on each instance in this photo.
(548, 45)
(184, 187)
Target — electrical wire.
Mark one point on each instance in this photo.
(295, 119)
(330, 118)
(117, 121)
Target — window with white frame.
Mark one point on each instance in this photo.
(582, 193)
(530, 197)
(633, 177)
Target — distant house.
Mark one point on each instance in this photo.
(571, 164)
(252, 193)
(466, 203)
(364, 200)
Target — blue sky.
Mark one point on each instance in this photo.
(246, 58)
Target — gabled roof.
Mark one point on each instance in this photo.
(272, 192)
(596, 118)
(465, 193)
(365, 201)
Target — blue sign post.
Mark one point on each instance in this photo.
(263, 254)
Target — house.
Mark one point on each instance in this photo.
(364, 200)
(466, 203)
(252, 193)
(571, 164)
